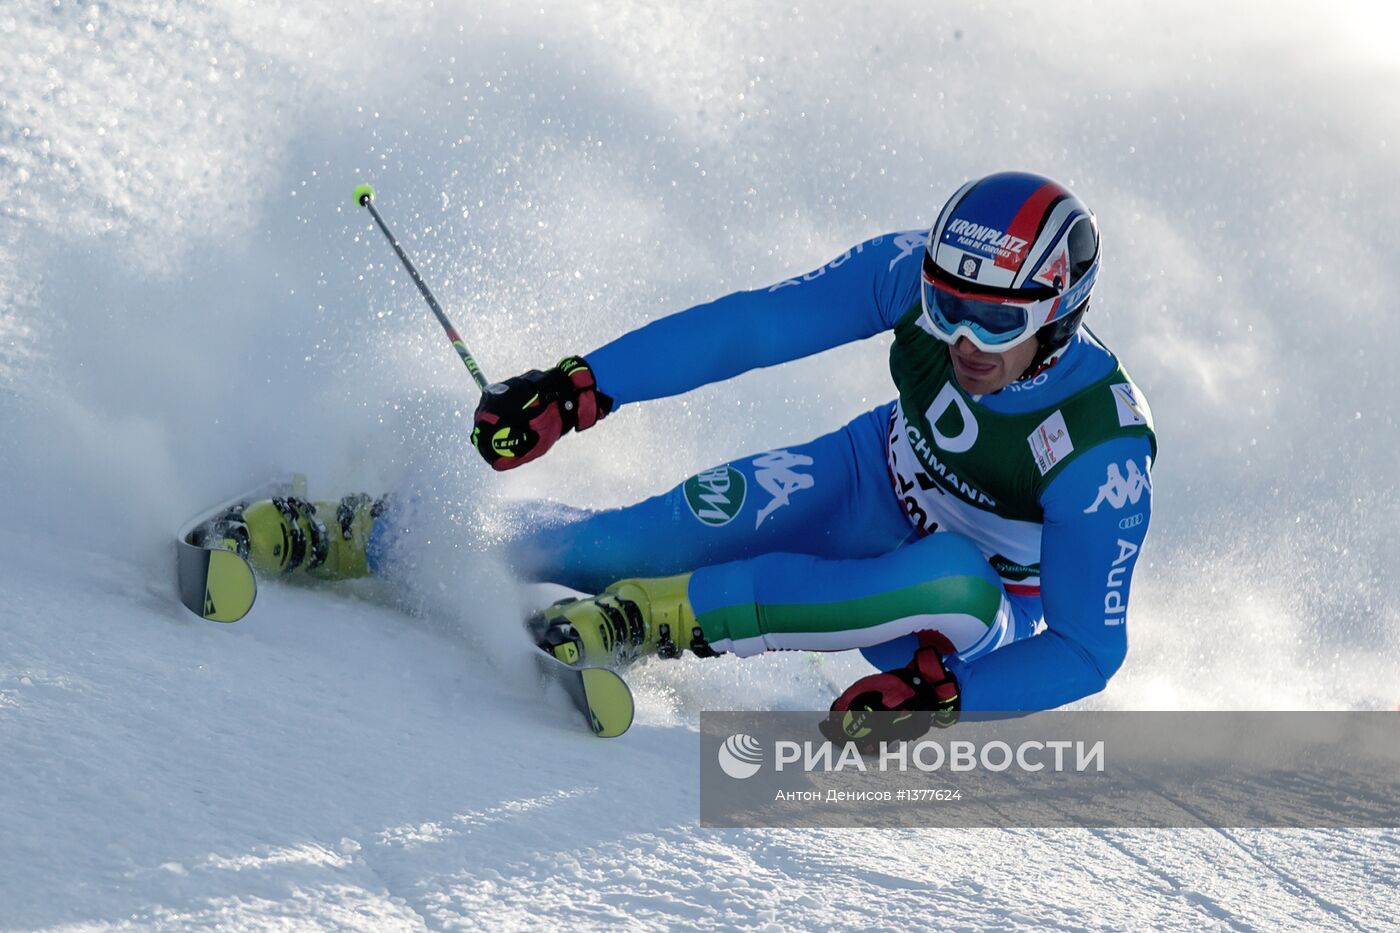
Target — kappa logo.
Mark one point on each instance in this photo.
(908, 241)
(1121, 488)
(716, 496)
(774, 472)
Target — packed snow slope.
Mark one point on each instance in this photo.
(189, 302)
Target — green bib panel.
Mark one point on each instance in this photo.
(1001, 462)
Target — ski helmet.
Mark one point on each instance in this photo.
(1012, 255)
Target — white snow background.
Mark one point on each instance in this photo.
(189, 302)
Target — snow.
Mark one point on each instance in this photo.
(189, 302)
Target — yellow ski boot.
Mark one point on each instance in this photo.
(287, 535)
(629, 620)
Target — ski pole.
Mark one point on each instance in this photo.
(364, 196)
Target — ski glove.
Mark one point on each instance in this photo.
(906, 702)
(518, 420)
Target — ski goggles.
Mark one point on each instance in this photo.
(994, 319)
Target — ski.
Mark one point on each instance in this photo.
(600, 694)
(215, 581)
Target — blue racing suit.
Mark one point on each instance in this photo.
(787, 545)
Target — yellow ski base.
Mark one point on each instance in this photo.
(229, 587)
(609, 702)
(215, 583)
(598, 693)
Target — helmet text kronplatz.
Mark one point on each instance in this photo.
(988, 235)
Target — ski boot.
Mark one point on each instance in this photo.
(288, 535)
(629, 620)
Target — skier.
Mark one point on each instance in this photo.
(975, 538)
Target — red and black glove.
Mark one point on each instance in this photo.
(521, 418)
(906, 702)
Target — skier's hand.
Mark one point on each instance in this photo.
(521, 418)
(920, 695)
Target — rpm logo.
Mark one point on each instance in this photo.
(716, 496)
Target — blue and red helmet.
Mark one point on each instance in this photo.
(1012, 255)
